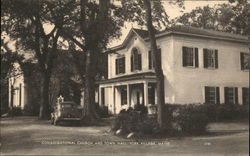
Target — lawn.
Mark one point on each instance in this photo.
(29, 136)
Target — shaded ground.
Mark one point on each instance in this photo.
(27, 135)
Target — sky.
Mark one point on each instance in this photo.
(173, 11)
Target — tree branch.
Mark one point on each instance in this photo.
(67, 35)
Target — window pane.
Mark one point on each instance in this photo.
(246, 61)
(136, 56)
(189, 57)
(230, 95)
(210, 95)
(211, 58)
(120, 65)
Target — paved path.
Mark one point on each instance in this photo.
(29, 136)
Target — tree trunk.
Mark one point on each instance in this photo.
(44, 107)
(158, 69)
(11, 96)
(89, 111)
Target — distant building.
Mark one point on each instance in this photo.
(17, 88)
(199, 66)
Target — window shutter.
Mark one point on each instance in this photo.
(216, 58)
(242, 61)
(116, 66)
(206, 94)
(226, 95)
(132, 62)
(184, 57)
(218, 95)
(196, 57)
(245, 96)
(123, 65)
(236, 95)
(159, 50)
(139, 62)
(149, 59)
(205, 57)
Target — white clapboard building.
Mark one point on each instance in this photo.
(199, 66)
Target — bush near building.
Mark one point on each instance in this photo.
(226, 112)
(185, 119)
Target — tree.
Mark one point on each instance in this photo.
(65, 79)
(200, 17)
(91, 27)
(232, 18)
(152, 15)
(158, 68)
(25, 21)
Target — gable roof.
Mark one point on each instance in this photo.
(182, 30)
(206, 32)
(142, 33)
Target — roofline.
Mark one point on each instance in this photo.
(166, 33)
(122, 45)
(132, 77)
(198, 35)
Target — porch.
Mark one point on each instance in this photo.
(119, 93)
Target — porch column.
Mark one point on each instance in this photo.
(145, 84)
(240, 100)
(113, 98)
(128, 95)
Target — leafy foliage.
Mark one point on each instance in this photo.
(224, 17)
(191, 119)
(134, 11)
(226, 112)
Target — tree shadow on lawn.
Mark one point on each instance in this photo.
(102, 122)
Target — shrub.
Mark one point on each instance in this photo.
(232, 112)
(141, 108)
(15, 111)
(103, 111)
(211, 111)
(32, 110)
(225, 112)
(148, 125)
(191, 119)
(127, 121)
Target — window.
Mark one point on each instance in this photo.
(135, 60)
(212, 95)
(151, 63)
(245, 96)
(190, 57)
(244, 61)
(210, 58)
(120, 65)
(231, 95)
(123, 95)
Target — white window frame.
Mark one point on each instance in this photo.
(233, 97)
(211, 53)
(119, 72)
(244, 55)
(215, 94)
